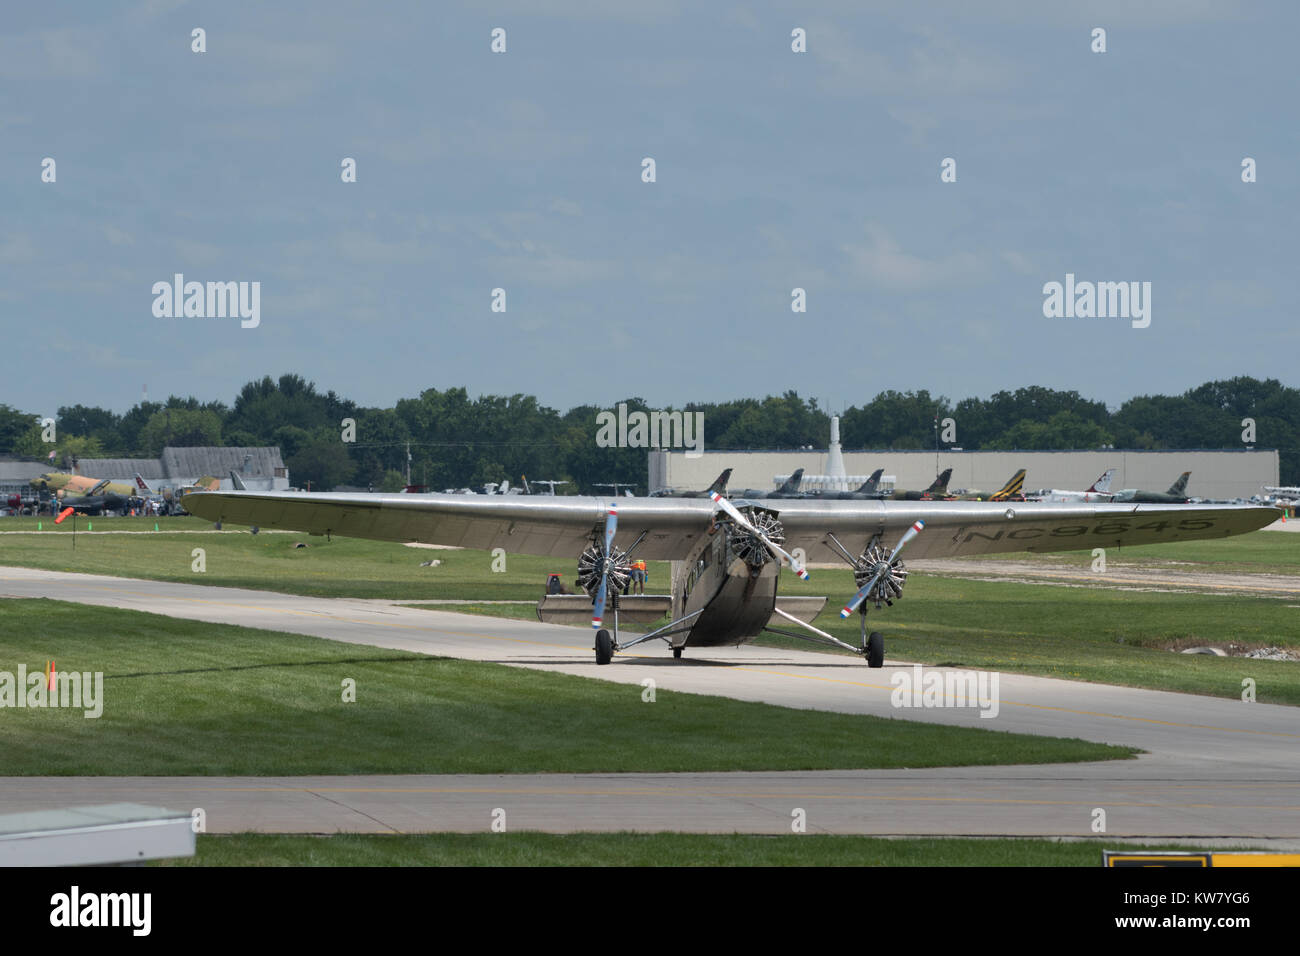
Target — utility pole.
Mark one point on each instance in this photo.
(936, 444)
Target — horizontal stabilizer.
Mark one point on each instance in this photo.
(576, 608)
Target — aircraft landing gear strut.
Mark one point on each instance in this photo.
(873, 647)
(607, 644)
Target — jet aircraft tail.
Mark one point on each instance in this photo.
(1011, 488)
(1102, 484)
(940, 485)
(791, 486)
(870, 486)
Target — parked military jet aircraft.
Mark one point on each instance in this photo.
(78, 484)
(789, 489)
(726, 555)
(1099, 491)
(868, 489)
(1283, 491)
(719, 485)
(1008, 492)
(1176, 495)
(938, 489)
(96, 501)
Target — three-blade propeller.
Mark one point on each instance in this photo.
(611, 528)
(777, 551)
(863, 591)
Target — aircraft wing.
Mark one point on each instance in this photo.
(559, 525)
(563, 526)
(961, 528)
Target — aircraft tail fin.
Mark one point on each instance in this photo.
(871, 484)
(1012, 487)
(720, 483)
(1102, 484)
(1179, 487)
(791, 485)
(236, 482)
(940, 485)
(141, 485)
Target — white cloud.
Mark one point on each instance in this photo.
(565, 207)
(116, 236)
(883, 261)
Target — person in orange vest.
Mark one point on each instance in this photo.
(640, 574)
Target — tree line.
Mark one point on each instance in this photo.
(457, 441)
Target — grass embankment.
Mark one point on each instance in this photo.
(636, 849)
(183, 697)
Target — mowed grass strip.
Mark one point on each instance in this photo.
(326, 567)
(183, 697)
(1271, 552)
(637, 849)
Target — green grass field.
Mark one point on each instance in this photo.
(636, 849)
(338, 567)
(182, 697)
(1275, 552)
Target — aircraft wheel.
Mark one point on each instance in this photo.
(677, 652)
(604, 647)
(876, 650)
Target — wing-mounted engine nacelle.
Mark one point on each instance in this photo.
(592, 563)
(873, 562)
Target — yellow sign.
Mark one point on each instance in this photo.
(1197, 858)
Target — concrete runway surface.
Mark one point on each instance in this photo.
(1217, 768)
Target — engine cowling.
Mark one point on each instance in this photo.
(590, 565)
(748, 546)
(890, 586)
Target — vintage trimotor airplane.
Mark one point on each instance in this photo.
(726, 555)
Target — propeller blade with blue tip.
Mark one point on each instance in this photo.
(863, 591)
(611, 529)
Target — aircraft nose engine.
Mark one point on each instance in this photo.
(750, 547)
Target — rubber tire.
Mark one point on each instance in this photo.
(677, 653)
(604, 647)
(876, 650)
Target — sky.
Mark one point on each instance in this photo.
(523, 171)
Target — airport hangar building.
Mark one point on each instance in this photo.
(1223, 474)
